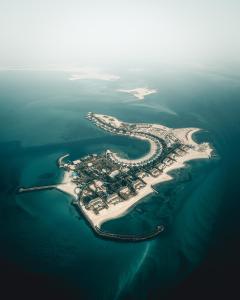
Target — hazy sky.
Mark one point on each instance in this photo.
(86, 32)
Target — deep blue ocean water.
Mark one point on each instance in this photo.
(42, 117)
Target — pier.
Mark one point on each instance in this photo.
(36, 188)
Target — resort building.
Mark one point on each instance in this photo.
(138, 184)
(125, 192)
(113, 199)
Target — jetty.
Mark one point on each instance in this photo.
(60, 160)
(154, 189)
(129, 237)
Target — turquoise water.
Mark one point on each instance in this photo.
(42, 117)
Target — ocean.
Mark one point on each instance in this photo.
(42, 234)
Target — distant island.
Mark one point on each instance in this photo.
(139, 93)
(106, 186)
(92, 73)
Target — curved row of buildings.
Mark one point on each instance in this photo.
(114, 126)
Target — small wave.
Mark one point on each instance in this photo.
(127, 279)
(158, 108)
(21, 206)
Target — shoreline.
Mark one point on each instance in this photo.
(152, 151)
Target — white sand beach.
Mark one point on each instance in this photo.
(115, 211)
(67, 186)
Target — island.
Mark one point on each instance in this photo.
(139, 93)
(107, 186)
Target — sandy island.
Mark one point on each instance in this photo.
(116, 204)
(139, 93)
